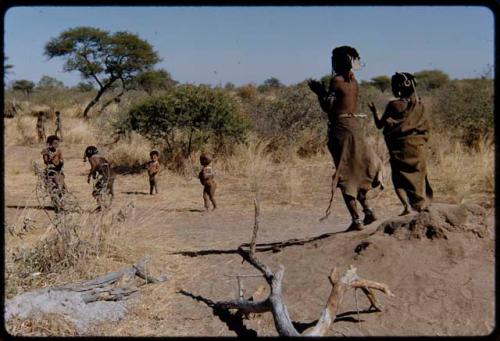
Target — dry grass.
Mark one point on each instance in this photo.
(77, 131)
(459, 174)
(131, 152)
(44, 325)
(80, 245)
(20, 131)
(101, 243)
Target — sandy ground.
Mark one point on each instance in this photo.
(442, 286)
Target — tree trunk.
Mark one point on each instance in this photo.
(97, 97)
(105, 105)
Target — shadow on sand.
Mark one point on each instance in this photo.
(35, 207)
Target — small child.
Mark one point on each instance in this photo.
(54, 162)
(58, 131)
(406, 130)
(153, 167)
(40, 126)
(206, 177)
(100, 170)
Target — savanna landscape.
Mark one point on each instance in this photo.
(273, 172)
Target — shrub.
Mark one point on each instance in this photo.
(292, 112)
(188, 118)
(468, 106)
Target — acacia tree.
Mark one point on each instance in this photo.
(431, 79)
(104, 58)
(153, 80)
(49, 83)
(24, 85)
(381, 82)
(270, 83)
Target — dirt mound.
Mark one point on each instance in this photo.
(437, 222)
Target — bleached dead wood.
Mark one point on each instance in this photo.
(275, 304)
(113, 286)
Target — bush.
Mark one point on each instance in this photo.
(286, 117)
(431, 79)
(247, 92)
(468, 106)
(187, 119)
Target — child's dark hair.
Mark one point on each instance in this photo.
(403, 84)
(341, 55)
(154, 152)
(41, 113)
(58, 113)
(52, 138)
(91, 150)
(205, 159)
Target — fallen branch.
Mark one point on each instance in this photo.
(113, 286)
(274, 303)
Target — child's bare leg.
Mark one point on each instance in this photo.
(206, 197)
(350, 202)
(212, 196)
(99, 202)
(404, 200)
(369, 215)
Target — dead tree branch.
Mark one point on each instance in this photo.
(113, 286)
(276, 305)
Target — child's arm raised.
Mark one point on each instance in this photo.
(45, 156)
(383, 121)
(319, 90)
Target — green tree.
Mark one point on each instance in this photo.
(270, 83)
(49, 83)
(84, 87)
(381, 82)
(431, 79)
(103, 57)
(154, 80)
(187, 118)
(229, 86)
(24, 85)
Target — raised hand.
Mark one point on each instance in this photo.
(372, 107)
(316, 87)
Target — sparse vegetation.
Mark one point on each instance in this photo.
(267, 140)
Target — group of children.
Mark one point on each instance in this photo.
(102, 172)
(40, 126)
(358, 168)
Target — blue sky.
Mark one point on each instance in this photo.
(250, 44)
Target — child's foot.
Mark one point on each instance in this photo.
(406, 211)
(356, 225)
(369, 217)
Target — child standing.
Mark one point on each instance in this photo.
(406, 131)
(54, 176)
(206, 177)
(153, 167)
(40, 126)
(58, 126)
(100, 170)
